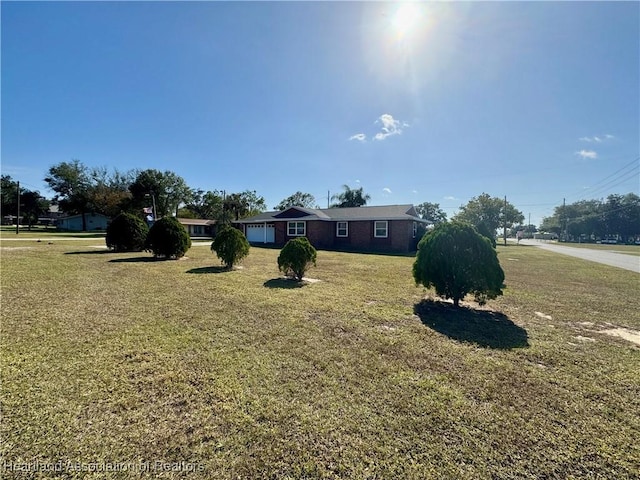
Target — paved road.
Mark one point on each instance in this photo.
(620, 260)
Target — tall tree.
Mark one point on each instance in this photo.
(241, 205)
(71, 182)
(166, 189)
(550, 224)
(234, 207)
(350, 198)
(298, 199)
(109, 191)
(9, 194)
(255, 203)
(204, 205)
(431, 212)
(621, 215)
(32, 206)
(488, 213)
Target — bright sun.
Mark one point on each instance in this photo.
(406, 18)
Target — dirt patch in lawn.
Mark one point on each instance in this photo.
(16, 248)
(627, 334)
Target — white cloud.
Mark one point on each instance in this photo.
(587, 154)
(386, 190)
(597, 138)
(414, 191)
(449, 197)
(390, 126)
(361, 137)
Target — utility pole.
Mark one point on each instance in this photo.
(564, 220)
(18, 219)
(504, 217)
(328, 194)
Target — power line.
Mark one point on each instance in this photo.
(627, 171)
(617, 181)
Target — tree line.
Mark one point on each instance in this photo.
(32, 204)
(617, 216)
(79, 189)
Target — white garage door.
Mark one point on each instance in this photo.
(256, 233)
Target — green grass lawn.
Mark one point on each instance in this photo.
(9, 233)
(115, 358)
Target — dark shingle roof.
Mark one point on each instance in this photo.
(382, 212)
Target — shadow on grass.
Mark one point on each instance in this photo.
(484, 328)
(137, 260)
(283, 283)
(203, 270)
(96, 251)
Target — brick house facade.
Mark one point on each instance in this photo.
(390, 228)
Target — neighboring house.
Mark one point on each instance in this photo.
(51, 217)
(197, 227)
(388, 228)
(46, 219)
(95, 221)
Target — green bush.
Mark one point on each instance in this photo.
(127, 233)
(485, 231)
(456, 260)
(168, 238)
(296, 257)
(230, 245)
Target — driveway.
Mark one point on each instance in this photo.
(620, 260)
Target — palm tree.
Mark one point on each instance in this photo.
(350, 198)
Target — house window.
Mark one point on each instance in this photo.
(415, 229)
(342, 229)
(197, 229)
(296, 229)
(381, 229)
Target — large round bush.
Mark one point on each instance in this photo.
(456, 260)
(296, 257)
(168, 238)
(230, 245)
(127, 233)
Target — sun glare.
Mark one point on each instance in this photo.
(406, 18)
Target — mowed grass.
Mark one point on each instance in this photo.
(113, 358)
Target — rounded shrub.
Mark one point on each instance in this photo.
(126, 233)
(296, 257)
(168, 238)
(230, 245)
(456, 260)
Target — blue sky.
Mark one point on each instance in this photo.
(435, 102)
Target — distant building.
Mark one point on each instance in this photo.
(197, 227)
(73, 223)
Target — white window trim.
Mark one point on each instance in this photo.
(346, 228)
(375, 229)
(304, 229)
